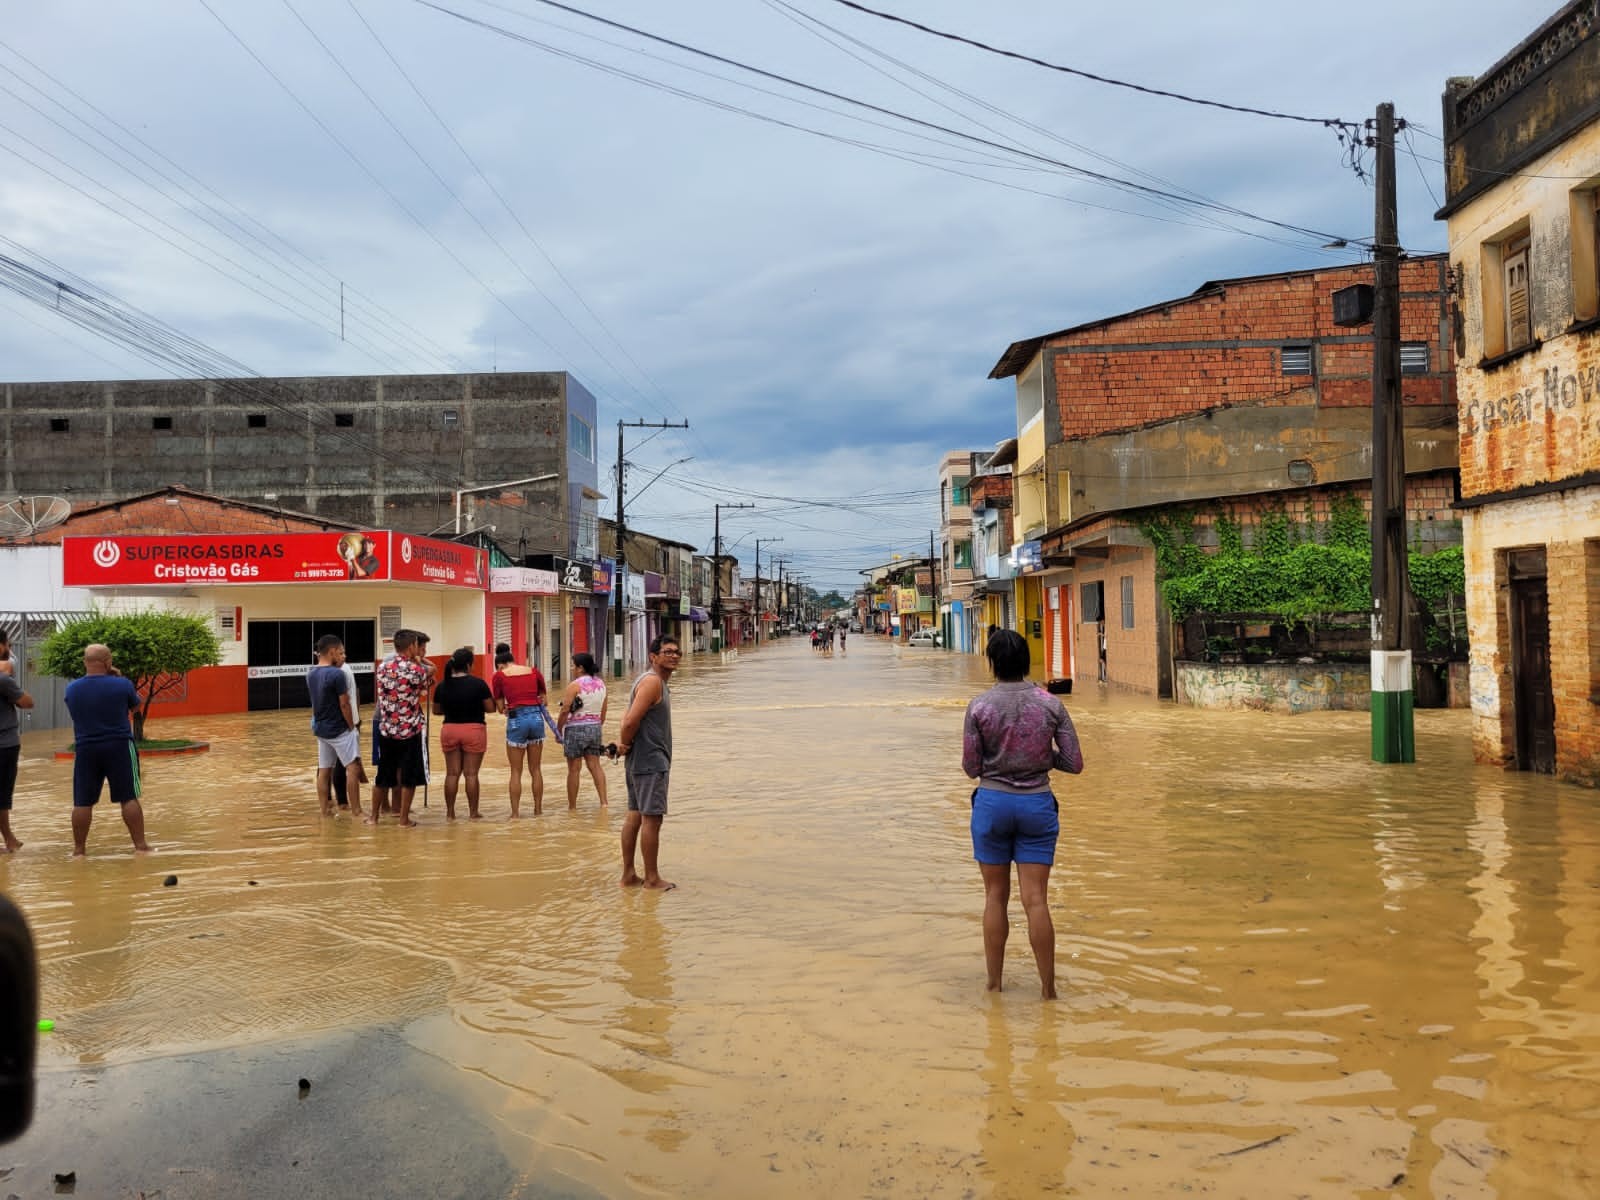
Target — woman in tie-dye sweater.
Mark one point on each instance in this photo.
(1015, 733)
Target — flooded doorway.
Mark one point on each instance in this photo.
(280, 653)
(1530, 662)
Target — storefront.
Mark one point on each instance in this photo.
(271, 596)
(521, 603)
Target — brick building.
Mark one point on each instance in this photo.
(1243, 392)
(382, 451)
(1522, 176)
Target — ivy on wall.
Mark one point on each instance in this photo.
(1286, 572)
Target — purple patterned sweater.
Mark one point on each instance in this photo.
(1015, 733)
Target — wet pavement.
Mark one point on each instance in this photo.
(1286, 971)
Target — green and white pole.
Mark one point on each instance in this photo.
(1393, 737)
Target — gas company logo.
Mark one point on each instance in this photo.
(405, 550)
(107, 554)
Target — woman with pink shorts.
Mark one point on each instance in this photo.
(462, 699)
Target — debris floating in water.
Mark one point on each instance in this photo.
(46, 1024)
(170, 881)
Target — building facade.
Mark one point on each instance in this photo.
(956, 470)
(1243, 388)
(1522, 175)
(378, 451)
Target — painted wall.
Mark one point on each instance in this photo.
(1286, 688)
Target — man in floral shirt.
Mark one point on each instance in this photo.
(403, 684)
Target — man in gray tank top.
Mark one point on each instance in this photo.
(646, 739)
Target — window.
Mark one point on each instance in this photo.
(1093, 601)
(964, 555)
(1296, 360)
(450, 417)
(60, 425)
(580, 438)
(1518, 309)
(1127, 601)
(256, 421)
(161, 423)
(1415, 358)
(1585, 224)
(961, 491)
(344, 420)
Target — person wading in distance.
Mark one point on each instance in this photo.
(333, 720)
(12, 697)
(462, 699)
(1013, 735)
(520, 693)
(646, 738)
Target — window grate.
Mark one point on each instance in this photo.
(1415, 358)
(1296, 360)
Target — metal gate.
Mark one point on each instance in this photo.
(27, 632)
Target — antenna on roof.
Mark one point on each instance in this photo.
(27, 515)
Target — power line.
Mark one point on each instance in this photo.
(1329, 122)
(504, 203)
(412, 338)
(1082, 172)
(1411, 149)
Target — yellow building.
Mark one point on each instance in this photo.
(1522, 152)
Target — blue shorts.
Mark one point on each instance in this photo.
(101, 763)
(1008, 828)
(524, 725)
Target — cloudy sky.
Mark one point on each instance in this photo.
(818, 288)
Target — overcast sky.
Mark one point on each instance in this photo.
(824, 314)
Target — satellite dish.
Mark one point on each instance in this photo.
(27, 515)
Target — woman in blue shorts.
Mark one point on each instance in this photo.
(1014, 734)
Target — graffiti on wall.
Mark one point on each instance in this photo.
(1274, 688)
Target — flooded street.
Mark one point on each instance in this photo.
(1286, 971)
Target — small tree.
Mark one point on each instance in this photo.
(154, 649)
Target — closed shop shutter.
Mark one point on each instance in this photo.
(502, 626)
(1059, 608)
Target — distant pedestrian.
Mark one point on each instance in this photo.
(403, 684)
(520, 693)
(103, 751)
(462, 699)
(646, 739)
(12, 697)
(1014, 734)
(334, 721)
(581, 726)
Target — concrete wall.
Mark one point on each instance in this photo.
(395, 464)
(1285, 688)
(32, 576)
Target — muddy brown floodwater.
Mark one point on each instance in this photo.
(1286, 971)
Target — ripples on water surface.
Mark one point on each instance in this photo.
(1287, 971)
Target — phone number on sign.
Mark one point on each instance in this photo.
(321, 573)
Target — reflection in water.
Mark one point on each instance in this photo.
(1285, 970)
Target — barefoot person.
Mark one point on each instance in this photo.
(646, 738)
(583, 717)
(334, 721)
(103, 750)
(462, 699)
(12, 697)
(1014, 734)
(403, 683)
(520, 693)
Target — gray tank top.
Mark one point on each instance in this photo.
(651, 752)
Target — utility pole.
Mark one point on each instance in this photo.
(1393, 738)
(619, 635)
(716, 568)
(769, 541)
(933, 576)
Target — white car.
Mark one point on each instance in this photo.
(927, 636)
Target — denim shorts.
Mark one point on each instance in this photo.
(524, 725)
(1008, 828)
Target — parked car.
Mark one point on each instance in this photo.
(927, 636)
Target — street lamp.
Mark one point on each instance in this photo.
(496, 487)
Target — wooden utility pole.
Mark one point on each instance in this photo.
(716, 569)
(933, 579)
(757, 589)
(1392, 731)
(619, 634)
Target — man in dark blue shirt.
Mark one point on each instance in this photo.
(103, 749)
(333, 721)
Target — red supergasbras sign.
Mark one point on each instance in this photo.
(114, 561)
